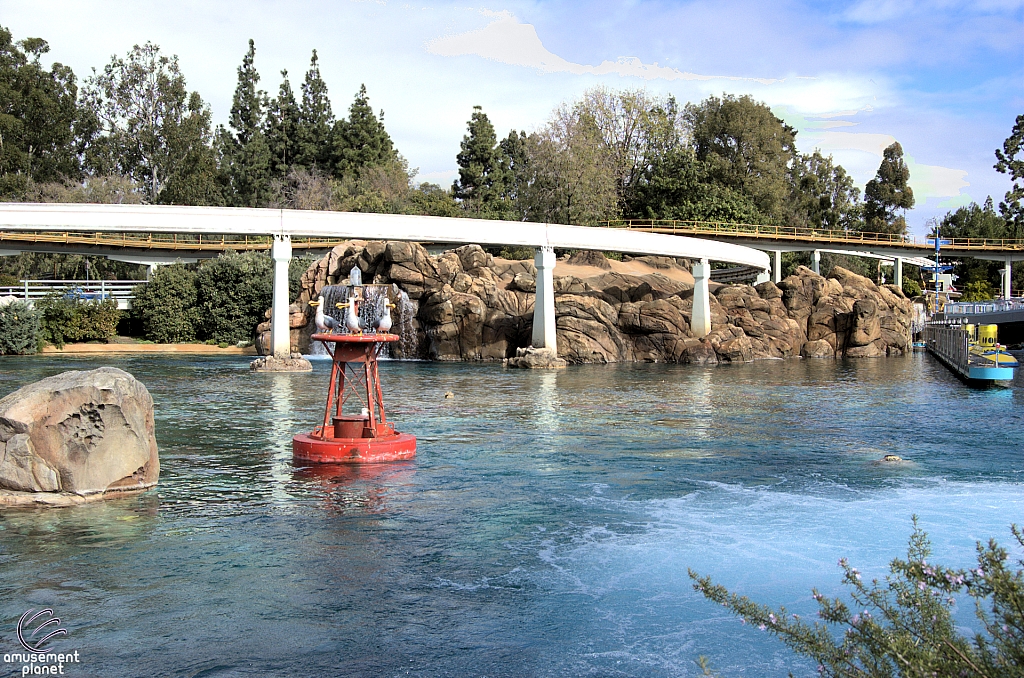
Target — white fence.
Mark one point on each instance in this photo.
(119, 290)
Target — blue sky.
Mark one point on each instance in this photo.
(944, 77)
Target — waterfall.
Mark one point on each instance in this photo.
(410, 340)
(372, 299)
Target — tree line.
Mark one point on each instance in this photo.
(133, 132)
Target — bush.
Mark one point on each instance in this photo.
(297, 267)
(8, 280)
(233, 292)
(67, 318)
(904, 626)
(19, 328)
(911, 287)
(978, 290)
(165, 307)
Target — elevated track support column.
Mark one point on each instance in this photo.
(816, 261)
(1008, 278)
(280, 334)
(700, 318)
(544, 334)
(898, 268)
(777, 266)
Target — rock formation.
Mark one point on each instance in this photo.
(465, 304)
(77, 434)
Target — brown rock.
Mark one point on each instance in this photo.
(79, 432)
(589, 258)
(818, 348)
(866, 327)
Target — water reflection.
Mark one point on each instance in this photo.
(363, 488)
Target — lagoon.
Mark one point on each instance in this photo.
(545, 528)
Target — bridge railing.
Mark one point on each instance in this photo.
(960, 308)
(160, 241)
(122, 291)
(722, 228)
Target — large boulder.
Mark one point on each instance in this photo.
(78, 433)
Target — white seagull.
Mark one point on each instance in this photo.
(325, 323)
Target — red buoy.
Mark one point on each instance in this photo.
(348, 437)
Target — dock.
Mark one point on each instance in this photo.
(950, 343)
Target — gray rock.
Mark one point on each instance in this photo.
(535, 358)
(78, 432)
(294, 363)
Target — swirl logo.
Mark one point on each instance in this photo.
(51, 627)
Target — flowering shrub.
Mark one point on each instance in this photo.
(904, 626)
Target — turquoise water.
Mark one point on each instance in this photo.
(544, 529)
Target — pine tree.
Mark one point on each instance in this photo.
(1010, 160)
(482, 180)
(282, 128)
(245, 156)
(361, 141)
(887, 193)
(515, 165)
(316, 121)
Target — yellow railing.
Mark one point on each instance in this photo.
(161, 241)
(815, 235)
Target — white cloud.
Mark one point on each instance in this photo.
(934, 181)
(508, 41)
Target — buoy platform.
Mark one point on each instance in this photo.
(347, 436)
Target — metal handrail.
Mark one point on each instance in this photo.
(803, 233)
(164, 241)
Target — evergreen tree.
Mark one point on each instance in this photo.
(887, 193)
(282, 128)
(245, 155)
(361, 141)
(974, 221)
(149, 123)
(316, 122)
(515, 164)
(482, 180)
(745, 147)
(192, 173)
(823, 194)
(39, 117)
(1010, 160)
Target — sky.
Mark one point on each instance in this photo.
(945, 78)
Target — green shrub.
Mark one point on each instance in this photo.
(978, 290)
(904, 626)
(19, 328)
(8, 280)
(911, 287)
(516, 253)
(165, 307)
(297, 267)
(67, 318)
(233, 292)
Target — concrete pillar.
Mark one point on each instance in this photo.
(280, 334)
(777, 267)
(544, 335)
(1008, 278)
(898, 266)
(816, 262)
(700, 320)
